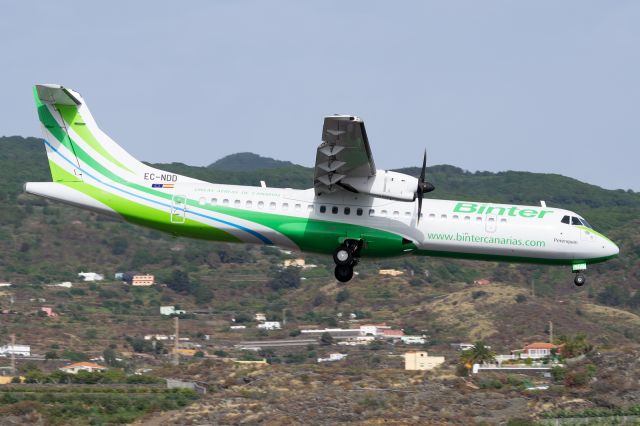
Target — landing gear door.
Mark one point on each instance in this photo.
(491, 222)
(178, 208)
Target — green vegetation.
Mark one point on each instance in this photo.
(83, 405)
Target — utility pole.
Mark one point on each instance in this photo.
(284, 317)
(551, 332)
(533, 287)
(176, 339)
(13, 354)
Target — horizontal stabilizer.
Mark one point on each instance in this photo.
(56, 94)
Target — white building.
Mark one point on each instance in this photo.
(373, 329)
(20, 350)
(413, 340)
(5, 284)
(419, 360)
(238, 327)
(171, 310)
(157, 337)
(333, 357)
(356, 341)
(260, 317)
(270, 325)
(90, 276)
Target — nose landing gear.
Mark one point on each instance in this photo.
(346, 257)
(579, 279)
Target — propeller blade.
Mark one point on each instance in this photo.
(424, 166)
(419, 208)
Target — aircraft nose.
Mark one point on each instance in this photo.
(613, 249)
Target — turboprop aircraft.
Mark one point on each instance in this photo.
(353, 210)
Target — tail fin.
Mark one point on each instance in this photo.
(74, 141)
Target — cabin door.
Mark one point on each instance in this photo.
(178, 208)
(491, 222)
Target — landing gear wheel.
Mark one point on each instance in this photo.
(343, 256)
(343, 273)
(579, 280)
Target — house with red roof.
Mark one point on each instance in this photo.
(76, 367)
(539, 350)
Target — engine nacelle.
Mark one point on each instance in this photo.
(385, 184)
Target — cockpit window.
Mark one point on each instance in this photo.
(575, 221)
(585, 223)
(566, 220)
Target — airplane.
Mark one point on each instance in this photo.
(353, 210)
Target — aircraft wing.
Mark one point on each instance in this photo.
(344, 153)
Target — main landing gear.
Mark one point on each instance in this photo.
(346, 257)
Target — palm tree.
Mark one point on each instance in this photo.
(478, 354)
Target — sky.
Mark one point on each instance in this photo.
(541, 86)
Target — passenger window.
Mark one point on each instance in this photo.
(309, 208)
(407, 214)
(334, 210)
(298, 207)
(347, 210)
(214, 201)
(285, 206)
(443, 217)
(455, 217)
(503, 220)
(432, 216)
(383, 212)
(359, 212)
(260, 204)
(323, 209)
(565, 219)
(225, 202)
(491, 219)
(372, 212)
(396, 213)
(479, 219)
(575, 221)
(248, 204)
(237, 203)
(272, 205)
(467, 219)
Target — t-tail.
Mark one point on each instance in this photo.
(88, 168)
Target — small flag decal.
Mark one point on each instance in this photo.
(162, 185)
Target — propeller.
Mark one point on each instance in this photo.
(423, 185)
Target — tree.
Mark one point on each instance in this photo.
(119, 245)
(343, 295)
(326, 338)
(478, 354)
(285, 278)
(51, 355)
(179, 281)
(110, 357)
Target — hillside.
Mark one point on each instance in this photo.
(43, 242)
(244, 161)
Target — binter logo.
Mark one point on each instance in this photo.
(498, 210)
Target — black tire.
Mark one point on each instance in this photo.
(343, 256)
(579, 280)
(343, 273)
